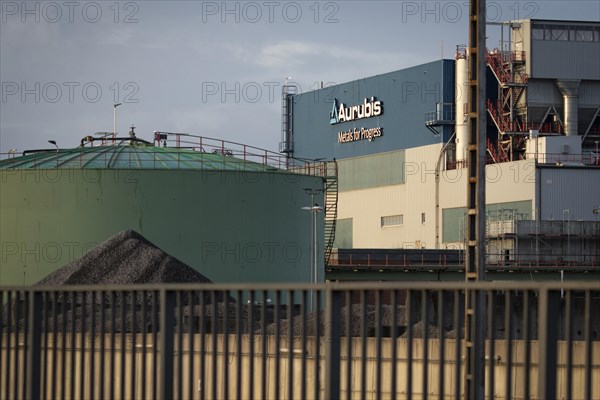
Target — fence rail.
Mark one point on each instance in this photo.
(333, 341)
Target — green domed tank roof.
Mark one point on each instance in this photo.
(139, 157)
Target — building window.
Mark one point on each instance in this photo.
(422, 218)
(392, 220)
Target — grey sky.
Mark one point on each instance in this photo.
(211, 68)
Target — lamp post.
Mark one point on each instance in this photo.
(115, 120)
(314, 209)
(55, 145)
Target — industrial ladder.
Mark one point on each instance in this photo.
(331, 199)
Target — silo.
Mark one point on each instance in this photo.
(235, 216)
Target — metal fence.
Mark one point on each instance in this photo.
(334, 341)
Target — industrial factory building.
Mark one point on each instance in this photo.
(224, 209)
(400, 142)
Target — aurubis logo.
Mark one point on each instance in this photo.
(369, 108)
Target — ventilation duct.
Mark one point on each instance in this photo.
(570, 92)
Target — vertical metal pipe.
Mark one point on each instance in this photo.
(569, 342)
(63, 351)
(458, 324)
(475, 226)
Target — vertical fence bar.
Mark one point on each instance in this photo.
(508, 336)
(394, 338)
(277, 343)
(34, 341)
(548, 308)
(527, 340)
(214, 353)
(442, 356)
(225, 351)
(123, 313)
(191, 329)
(588, 344)
(23, 349)
(238, 340)
(333, 338)
(63, 351)
(363, 344)
(251, 345)
(349, 336)
(317, 395)
(458, 323)
(179, 323)
(290, 344)
(409, 344)
(111, 372)
(102, 344)
(167, 301)
(569, 342)
(82, 346)
(155, 344)
(378, 358)
(92, 307)
(144, 332)
(202, 385)
(303, 383)
(425, 337)
(491, 386)
(45, 345)
(133, 335)
(263, 372)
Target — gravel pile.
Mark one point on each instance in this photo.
(126, 258)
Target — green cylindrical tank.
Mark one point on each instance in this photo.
(231, 219)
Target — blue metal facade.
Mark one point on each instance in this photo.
(406, 96)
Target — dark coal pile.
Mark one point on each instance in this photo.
(127, 258)
(356, 328)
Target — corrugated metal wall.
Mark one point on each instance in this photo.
(569, 193)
